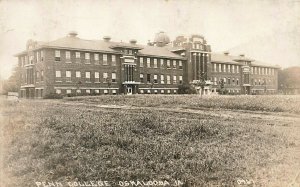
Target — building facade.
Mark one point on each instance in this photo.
(74, 66)
(241, 75)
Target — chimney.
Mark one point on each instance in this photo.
(106, 38)
(133, 41)
(242, 55)
(73, 34)
(226, 53)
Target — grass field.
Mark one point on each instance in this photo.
(197, 142)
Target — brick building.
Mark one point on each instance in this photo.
(75, 66)
(241, 75)
(71, 65)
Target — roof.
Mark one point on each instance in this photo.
(230, 59)
(69, 42)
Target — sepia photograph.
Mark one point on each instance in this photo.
(140, 93)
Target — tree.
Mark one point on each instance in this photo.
(13, 83)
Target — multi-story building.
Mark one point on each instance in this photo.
(241, 75)
(75, 66)
(71, 65)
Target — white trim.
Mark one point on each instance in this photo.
(83, 88)
(158, 88)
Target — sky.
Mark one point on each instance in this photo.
(265, 30)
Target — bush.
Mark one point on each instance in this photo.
(53, 96)
(186, 89)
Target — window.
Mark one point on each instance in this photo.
(141, 62)
(88, 91)
(168, 79)
(168, 64)
(105, 76)
(57, 55)
(58, 91)
(114, 92)
(224, 67)
(37, 56)
(68, 76)
(96, 57)
(97, 91)
(155, 79)
(233, 68)
(31, 59)
(69, 91)
(68, 55)
(148, 78)
(162, 91)
(215, 81)
(220, 68)
(97, 77)
(162, 79)
(233, 81)
(87, 76)
(87, 56)
(155, 63)
(228, 80)
(42, 75)
(141, 91)
(77, 54)
(174, 64)
(37, 76)
(113, 60)
(148, 63)
(161, 63)
(105, 59)
(237, 81)
(58, 74)
(78, 91)
(174, 79)
(78, 74)
(141, 77)
(259, 71)
(180, 79)
(105, 91)
(180, 64)
(251, 70)
(228, 66)
(237, 69)
(215, 67)
(113, 77)
(42, 55)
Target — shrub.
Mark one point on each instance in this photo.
(53, 96)
(186, 89)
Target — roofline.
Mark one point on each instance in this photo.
(235, 63)
(125, 46)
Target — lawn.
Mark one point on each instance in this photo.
(54, 141)
(268, 103)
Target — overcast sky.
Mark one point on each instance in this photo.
(266, 30)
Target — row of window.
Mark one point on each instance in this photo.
(230, 68)
(262, 82)
(161, 62)
(262, 71)
(155, 91)
(68, 76)
(86, 91)
(87, 56)
(155, 79)
(228, 81)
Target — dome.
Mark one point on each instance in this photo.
(161, 39)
